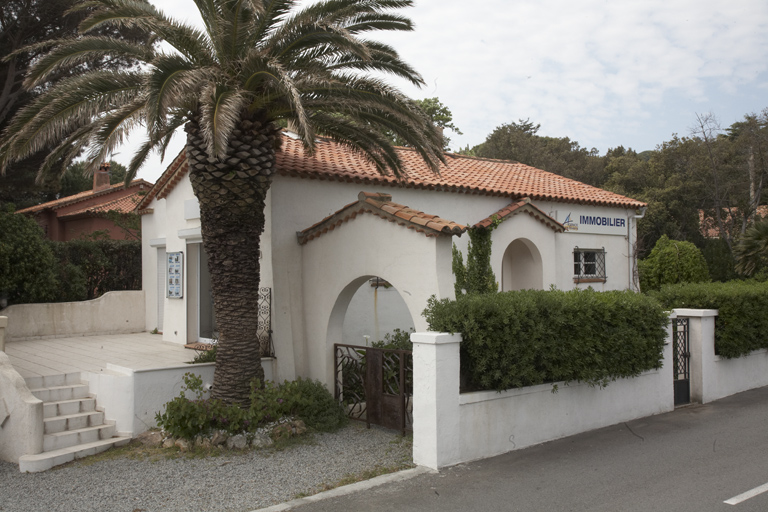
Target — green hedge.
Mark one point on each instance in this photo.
(90, 268)
(742, 322)
(524, 338)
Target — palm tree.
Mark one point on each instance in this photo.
(257, 64)
(752, 251)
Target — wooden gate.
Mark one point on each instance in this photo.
(375, 385)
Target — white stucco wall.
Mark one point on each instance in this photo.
(116, 312)
(714, 377)
(450, 428)
(295, 204)
(416, 265)
(21, 415)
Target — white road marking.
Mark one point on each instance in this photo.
(747, 495)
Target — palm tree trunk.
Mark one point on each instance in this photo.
(232, 192)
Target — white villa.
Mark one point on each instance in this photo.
(336, 228)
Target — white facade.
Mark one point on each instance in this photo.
(314, 284)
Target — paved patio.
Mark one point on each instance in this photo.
(54, 356)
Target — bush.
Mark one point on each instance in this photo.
(106, 265)
(670, 262)
(524, 338)
(742, 323)
(305, 399)
(313, 403)
(26, 262)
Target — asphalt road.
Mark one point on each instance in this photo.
(692, 459)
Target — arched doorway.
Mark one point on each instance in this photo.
(521, 267)
(375, 310)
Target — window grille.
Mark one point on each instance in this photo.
(588, 264)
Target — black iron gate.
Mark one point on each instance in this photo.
(682, 361)
(375, 385)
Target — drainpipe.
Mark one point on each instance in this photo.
(631, 258)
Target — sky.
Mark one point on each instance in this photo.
(604, 73)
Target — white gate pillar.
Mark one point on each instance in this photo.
(436, 421)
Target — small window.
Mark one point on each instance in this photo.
(588, 265)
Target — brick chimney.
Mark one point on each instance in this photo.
(101, 178)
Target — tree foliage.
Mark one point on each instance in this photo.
(521, 142)
(254, 65)
(27, 264)
(26, 26)
(752, 250)
(671, 262)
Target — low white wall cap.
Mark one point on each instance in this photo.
(435, 338)
(703, 313)
(157, 242)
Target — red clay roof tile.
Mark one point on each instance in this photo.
(430, 225)
(334, 162)
(82, 196)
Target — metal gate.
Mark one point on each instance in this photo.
(682, 361)
(375, 385)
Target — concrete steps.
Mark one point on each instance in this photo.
(73, 427)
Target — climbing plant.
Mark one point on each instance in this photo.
(476, 276)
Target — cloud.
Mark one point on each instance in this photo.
(601, 72)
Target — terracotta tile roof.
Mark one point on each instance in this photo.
(381, 205)
(82, 196)
(334, 162)
(522, 206)
(125, 204)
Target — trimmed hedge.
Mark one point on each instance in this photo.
(524, 338)
(742, 322)
(90, 268)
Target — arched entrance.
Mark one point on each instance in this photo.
(521, 267)
(375, 310)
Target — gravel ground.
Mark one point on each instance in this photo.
(240, 482)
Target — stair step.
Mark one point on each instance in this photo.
(47, 460)
(59, 440)
(60, 393)
(49, 381)
(71, 422)
(66, 407)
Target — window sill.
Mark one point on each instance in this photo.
(589, 280)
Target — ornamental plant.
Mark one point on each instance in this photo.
(529, 337)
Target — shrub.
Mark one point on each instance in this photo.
(529, 337)
(742, 325)
(670, 262)
(398, 339)
(26, 262)
(107, 265)
(313, 403)
(306, 399)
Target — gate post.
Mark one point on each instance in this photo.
(702, 335)
(436, 421)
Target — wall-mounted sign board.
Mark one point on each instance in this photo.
(175, 275)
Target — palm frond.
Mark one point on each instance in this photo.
(69, 54)
(220, 109)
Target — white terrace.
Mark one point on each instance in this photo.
(65, 394)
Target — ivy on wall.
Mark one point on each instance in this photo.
(476, 277)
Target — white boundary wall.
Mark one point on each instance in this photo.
(132, 398)
(119, 312)
(714, 377)
(450, 428)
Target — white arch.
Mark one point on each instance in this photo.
(521, 266)
(337, 263)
